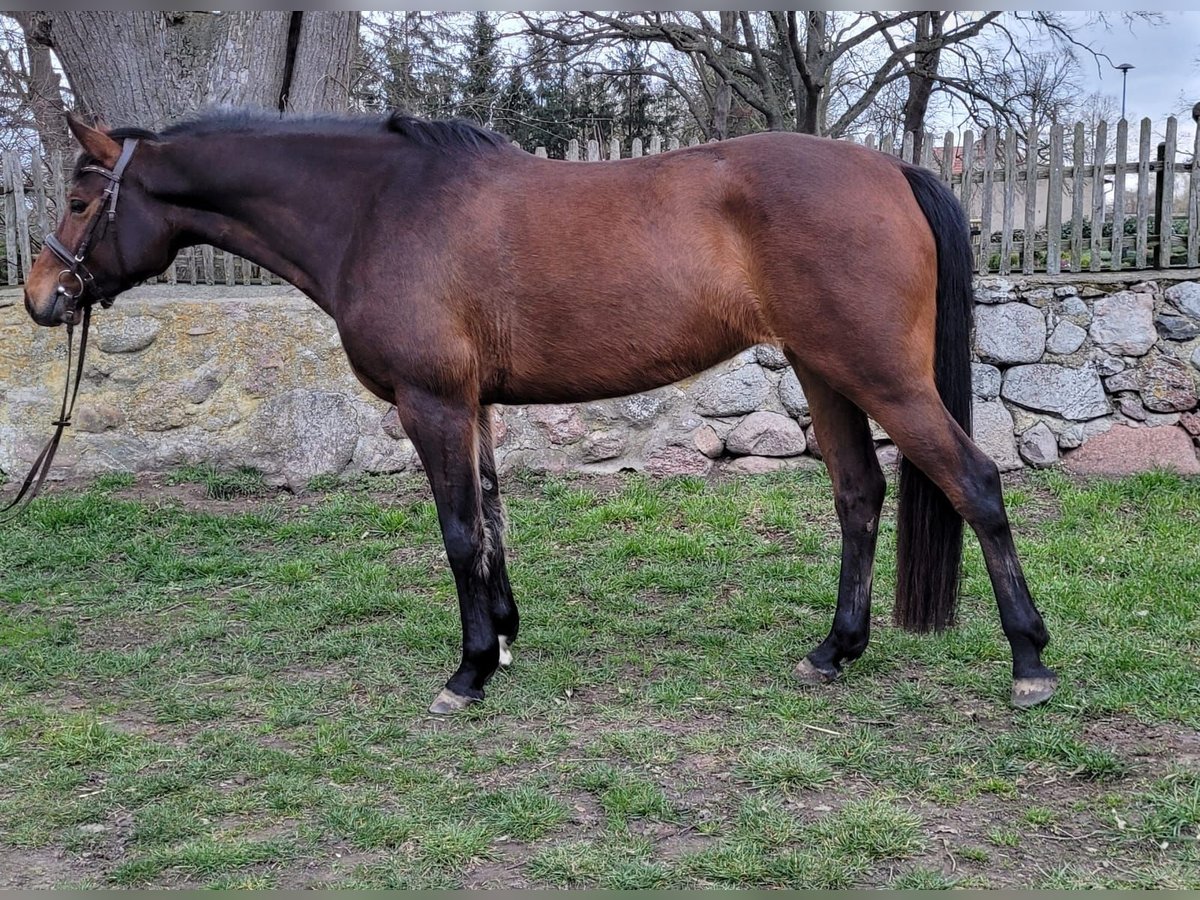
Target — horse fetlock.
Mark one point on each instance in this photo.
(506, 656)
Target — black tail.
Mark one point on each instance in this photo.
(929, 530)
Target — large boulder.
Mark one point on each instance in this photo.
(1125, 449)
(1010, 333)
(766, 434)
(1123, 323)
(1068, 392)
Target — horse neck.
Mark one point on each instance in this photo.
(268, 199)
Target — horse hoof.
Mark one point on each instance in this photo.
(448, 702)
(505, 651)
(807, 673)
(1027, 692)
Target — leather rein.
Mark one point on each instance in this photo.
(78, 278)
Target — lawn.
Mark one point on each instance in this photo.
(204, 682)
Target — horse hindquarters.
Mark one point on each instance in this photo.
(904, 359)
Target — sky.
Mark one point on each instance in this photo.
(1166, 77)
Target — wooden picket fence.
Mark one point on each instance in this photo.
(1049, 210)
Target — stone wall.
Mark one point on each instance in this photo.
(1100, 372)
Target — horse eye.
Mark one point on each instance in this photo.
(78, 206)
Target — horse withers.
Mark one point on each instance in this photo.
(462, 272)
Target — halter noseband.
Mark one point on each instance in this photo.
(75, 270)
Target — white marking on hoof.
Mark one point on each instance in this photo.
(505, 653)
(449, 702)
(1027, 692)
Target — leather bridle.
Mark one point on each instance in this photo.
(80, 278)
(75, 270)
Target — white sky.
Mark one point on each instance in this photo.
(1166, 80)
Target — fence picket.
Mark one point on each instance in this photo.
(985, 213)
(906, 147)
(25, 259)
(1010, 200)
(1118, 229)
(1143, 195)
(948, 157)
(1193, 238)
(40, 206)
(1054, 202)
(636, 148)
(1099, 157)
(1165, 212)
(10, 224)
(1028, 239)
(1077, 183)
(573, 150)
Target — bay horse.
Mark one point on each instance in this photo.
(462, 272)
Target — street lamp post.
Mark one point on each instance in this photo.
(1124, 70)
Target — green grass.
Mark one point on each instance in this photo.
(227, 689)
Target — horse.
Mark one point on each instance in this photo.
(463, 272)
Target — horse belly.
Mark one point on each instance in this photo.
(623, 340)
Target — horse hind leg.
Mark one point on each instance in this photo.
(858, 485)
(503, 608)
(934, 443)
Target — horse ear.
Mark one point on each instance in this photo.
(98, 144)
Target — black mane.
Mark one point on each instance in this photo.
(438, 134)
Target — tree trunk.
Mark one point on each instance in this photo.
(45, 91)
(154, 68)
(324, 61)
(723, 94)
(923, 77)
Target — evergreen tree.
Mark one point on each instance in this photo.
(481, 87)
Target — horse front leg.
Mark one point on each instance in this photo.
(446, 436)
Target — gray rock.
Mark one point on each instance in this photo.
(128, 334)
(1196, 358)
(708, 442)
(1038, 446)
(888, 456)
(1167, 386)
(303, 433)
(1074, 308)
(1071, 436)
(1128, 380)
(1010, 333)
(1066, 290)
(1131, 408)
(1071, 393)
(791, 395)
(97, 417)
(770, 357)
(756, 465)
(1108, 365)
(390, 424)
(810, 437)
(204, 382)
(985, 381)
(993, 427)
(994, 290)
(678, 461)
(561, 423)
(1066, 338)
(1123, 323)
(1038, 296)
(1185, 297)
(641, 409)
(766, 434)
(1177, 328)
(602, 445)
(733, 393)
(1145, 287)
